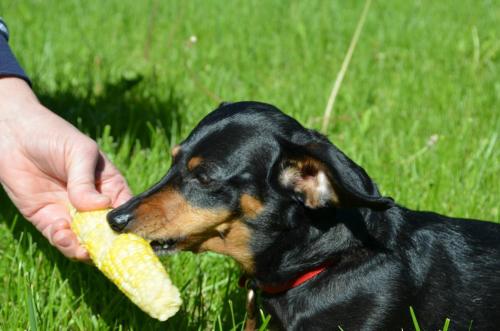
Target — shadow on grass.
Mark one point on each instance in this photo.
(127, 105)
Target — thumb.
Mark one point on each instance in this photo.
(82, 191)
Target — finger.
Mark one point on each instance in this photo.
(51, 217)
(66, 242)
(112, 183)
(123, 196)
(73, 249)
(53, 222)
(50, 229)
(81, 180)
(82, 254)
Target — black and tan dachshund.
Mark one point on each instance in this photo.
(311, 230)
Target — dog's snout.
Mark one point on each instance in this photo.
(118, 219)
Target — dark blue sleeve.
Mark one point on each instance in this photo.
(8, 63)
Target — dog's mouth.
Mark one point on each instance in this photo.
(165, 246)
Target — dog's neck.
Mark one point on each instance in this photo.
(343, 237)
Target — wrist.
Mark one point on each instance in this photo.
(16, 98)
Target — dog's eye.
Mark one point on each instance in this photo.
(203, 178)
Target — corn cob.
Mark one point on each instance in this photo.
(129, 262)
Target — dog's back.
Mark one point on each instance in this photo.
(455, 265)
(441, 267)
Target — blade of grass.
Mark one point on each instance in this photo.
(232, 313)
(265, 320)
(446, 324)
(343, 68)
(31, 309)
(414, 319)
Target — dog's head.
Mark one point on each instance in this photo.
(246, 175)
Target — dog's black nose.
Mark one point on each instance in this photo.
(119, 218)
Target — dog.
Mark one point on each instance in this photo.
(311, 230)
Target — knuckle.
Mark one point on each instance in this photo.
(90, 147)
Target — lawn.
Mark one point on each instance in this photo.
(418, 109)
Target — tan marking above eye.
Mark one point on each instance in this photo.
(175, 150)
(194, 162)
(250, 205)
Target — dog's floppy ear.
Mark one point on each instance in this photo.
(322, 175)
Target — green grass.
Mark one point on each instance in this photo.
(126, 73)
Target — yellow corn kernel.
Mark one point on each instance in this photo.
(128, 261)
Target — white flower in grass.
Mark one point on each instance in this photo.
(433, 139)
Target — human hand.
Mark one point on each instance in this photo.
(46, 163)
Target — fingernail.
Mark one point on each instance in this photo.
(47, 232)
(63, 241)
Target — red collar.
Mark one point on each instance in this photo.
(283, 287)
